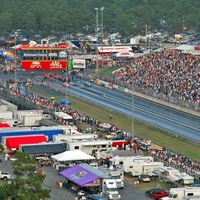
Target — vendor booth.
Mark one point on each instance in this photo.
(81, 176)
(81, 181)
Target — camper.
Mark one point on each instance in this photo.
(137, 169)
(181, 193)
(109, 189)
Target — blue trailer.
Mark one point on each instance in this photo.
(48, 132)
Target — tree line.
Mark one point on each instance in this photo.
(129, 17)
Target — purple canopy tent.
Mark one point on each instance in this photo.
(81, 176)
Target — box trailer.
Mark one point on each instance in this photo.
(50, 133)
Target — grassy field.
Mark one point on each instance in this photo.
(141, 130)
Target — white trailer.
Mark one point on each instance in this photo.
(75, 137)
(6, 115)
(127, 161)
(88, 146)
(137, 169)
(181, 193)
(109, 189)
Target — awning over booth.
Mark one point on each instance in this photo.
(72, 155)
(15, 142)
(43, 148)
(173, 178)
(81, 176)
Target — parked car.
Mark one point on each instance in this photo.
(144, 178)
(153, 189)
(96, 197)
(64, 101)
(65, 84)
(118, 137)
(159, 194)
(88, 84)
(143, 147)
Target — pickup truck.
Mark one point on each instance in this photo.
(4, 176)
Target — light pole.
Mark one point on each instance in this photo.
(102, 9)
(97, 63)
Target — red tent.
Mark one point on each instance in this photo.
(4, 125)
(15, 142)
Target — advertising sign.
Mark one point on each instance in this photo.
(44, 65)
(79, 63)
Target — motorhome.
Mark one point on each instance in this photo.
(181, 193)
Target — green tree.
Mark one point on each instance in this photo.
(27, 184)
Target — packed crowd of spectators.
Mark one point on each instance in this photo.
(170, 75)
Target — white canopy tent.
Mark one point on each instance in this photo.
(185, 47)
(72, 155)
(115, 160)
